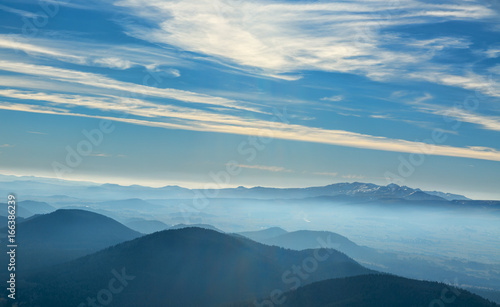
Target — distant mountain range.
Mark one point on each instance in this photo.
(355, 189)
(43, 187)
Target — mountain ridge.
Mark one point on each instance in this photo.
(179, 267)
(63, 235)
(378, 290)
(110, 191)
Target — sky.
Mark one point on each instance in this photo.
(253, 93)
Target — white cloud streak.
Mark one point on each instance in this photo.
(91, 54)
(100, 81)
(493, 52)
(114, 63)
(333, 98)
(130, 106)
(279, 39)
(21, 13)
(15, 43)
(353, 177)
(36, 132)
(330, 174)
(470, 81)
(266, 168)
(486, 122)
(242, 126)
(284, 37)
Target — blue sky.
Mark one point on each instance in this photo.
(294, 93)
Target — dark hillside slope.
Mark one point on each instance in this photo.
(64, 235)
(378, 291)
(186, 267)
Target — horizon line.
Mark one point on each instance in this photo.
(228, 186)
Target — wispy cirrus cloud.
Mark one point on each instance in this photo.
(380, 116)
(493, 52)
(271, 39)
(284, 37)
(127, 106)
(114, 63)
(486, 122)
(440, 43)
(37, 132)
(90, 54)
(470, 81)
(14, 43)
(100, 154)
(19, 12)
(244, 126)
(353, 177)
(100, 81)
(330, 174)
(333, 98)
(267, 168)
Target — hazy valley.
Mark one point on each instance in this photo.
(72, 243)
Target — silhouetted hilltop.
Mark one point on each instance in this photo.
(187, 267)
(65, 235)
(377, 291)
